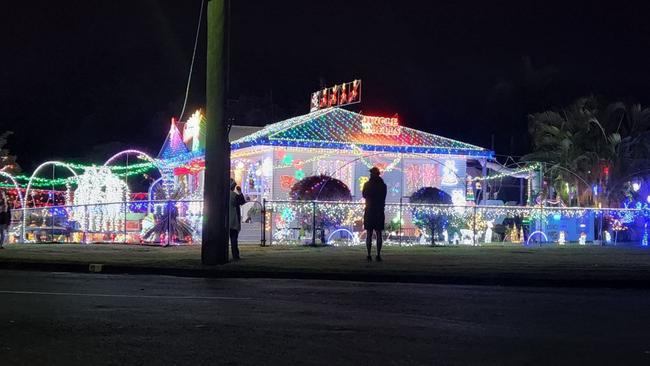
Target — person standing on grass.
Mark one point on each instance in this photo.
(234, 217)
(5, 218)
(374, 192)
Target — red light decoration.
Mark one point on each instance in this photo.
(343, 99)
(194, 167)
(298, 164)
(336, 96)
(355, 92)
(286, 182)
(323, 99)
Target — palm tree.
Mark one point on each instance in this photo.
(631, 153)
(584, 146)
(568, 142)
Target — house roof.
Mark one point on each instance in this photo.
(237, 131)
(342, 129)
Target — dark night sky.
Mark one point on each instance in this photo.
(83, 78)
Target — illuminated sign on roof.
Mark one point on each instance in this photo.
(381, 126)
(336, 96)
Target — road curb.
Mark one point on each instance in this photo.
(220, 272)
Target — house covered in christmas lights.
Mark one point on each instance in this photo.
(268, 161)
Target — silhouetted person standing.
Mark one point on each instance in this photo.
(236, 201)
(374, 191)
(5, 219)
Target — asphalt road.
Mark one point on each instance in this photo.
(85, 319)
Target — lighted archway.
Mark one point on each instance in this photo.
(29, 186)
(13, 181)
(132, 151)
(141, 154)
(150, 196)
(541, 233)
(355, 239)
(151, 188)
(47, 163)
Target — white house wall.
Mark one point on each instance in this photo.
(241, 175)
(281, 176)
(430, 172)
(406, 176)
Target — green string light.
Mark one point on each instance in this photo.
(120, 171)
(527, 169)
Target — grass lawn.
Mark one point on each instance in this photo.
(493, 261)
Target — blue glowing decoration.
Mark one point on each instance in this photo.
(557, 217)
(139, 207)
(184, 158)
(58, 211)
(173, 145)
(288, 215)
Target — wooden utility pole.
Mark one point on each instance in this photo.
(216, 188)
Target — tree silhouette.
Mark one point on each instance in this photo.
(7, 161)
(323, 188)
(423, 217)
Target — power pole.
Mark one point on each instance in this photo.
(214, 241)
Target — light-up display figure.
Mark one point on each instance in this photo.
(449, 177)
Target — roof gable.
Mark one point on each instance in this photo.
(340, 128)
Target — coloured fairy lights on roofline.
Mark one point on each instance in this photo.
(335, 128)
(344, 127)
